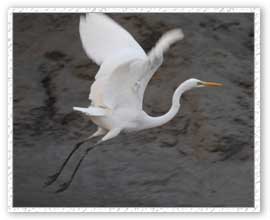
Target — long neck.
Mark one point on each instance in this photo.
(160, 120)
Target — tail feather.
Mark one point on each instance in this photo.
(91, 111)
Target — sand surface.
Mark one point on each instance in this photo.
(203, 157)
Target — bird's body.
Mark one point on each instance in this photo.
(125, 70)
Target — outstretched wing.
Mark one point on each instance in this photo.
(125, 86)
(125, 69)
(155, 58)
(119, 89)
(102, 38)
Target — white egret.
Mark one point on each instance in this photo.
(125, 69)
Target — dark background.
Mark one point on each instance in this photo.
(203, 157)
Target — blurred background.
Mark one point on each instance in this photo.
(203, 157)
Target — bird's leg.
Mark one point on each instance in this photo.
(66, 184)
(111, 134)
(52, 178)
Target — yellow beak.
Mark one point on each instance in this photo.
(211, 84)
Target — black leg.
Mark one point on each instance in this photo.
(52, 178)
(66, 184)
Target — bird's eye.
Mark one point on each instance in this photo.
(199, 83)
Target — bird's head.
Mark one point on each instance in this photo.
(196, 83)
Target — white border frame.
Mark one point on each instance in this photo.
(256, 12)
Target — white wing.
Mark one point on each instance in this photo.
(119, 89)
(125, 69)
(126, 84)
(155, 58)
(102, 38)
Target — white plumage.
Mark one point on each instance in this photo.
(102, 38)
(124, 73)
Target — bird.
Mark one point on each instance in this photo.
(116, 95)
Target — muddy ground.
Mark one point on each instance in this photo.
(203, 157)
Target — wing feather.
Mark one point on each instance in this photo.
(125, 85)
(125, 68)
(102, 38)
(155, 56)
